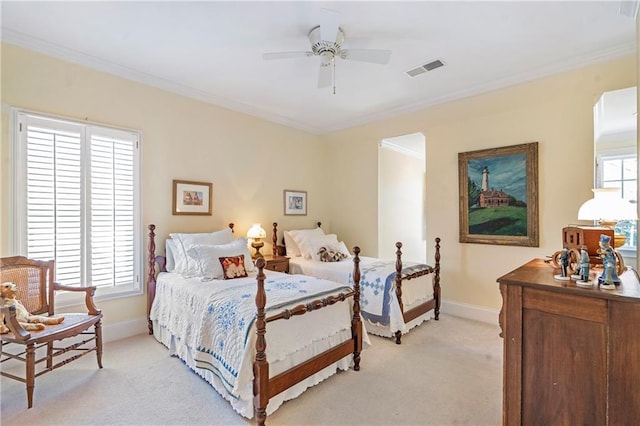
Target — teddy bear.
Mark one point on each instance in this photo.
(328, 255)
(27, 321)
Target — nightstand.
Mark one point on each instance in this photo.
(277, 263)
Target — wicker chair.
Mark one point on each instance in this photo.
(34, 280)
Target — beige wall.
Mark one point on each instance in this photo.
(556, 111)
(250, 161)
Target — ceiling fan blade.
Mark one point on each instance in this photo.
(324, 76)
(374, 56)
(329, 23)
(286, 55)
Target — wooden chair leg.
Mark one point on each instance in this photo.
(31, 371)
(98, 328)
(49, 356)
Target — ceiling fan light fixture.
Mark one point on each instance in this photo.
(326, 58)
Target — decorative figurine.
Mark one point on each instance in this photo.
(564, 265)
(609, 278)
(583, 268)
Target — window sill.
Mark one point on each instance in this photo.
(68, 299)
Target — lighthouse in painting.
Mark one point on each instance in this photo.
(490, 197)
(485, 178)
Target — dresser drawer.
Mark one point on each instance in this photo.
(279, 263)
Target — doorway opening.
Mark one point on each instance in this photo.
(401, 197)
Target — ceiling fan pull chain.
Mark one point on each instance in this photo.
(334, 76)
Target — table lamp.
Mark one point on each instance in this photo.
(256, 233)
(608, 207)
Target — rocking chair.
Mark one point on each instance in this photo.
(36, 288)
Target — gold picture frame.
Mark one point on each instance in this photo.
(498, 194)
(192, 198)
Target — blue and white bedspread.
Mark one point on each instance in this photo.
(378, 299)
(227, 324)
(377, 288)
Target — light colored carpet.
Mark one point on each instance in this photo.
(446, 372)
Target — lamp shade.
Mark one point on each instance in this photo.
(607, 205)
(256, 232)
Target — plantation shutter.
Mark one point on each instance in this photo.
(112, 209)
(80, 200)
(54, 197)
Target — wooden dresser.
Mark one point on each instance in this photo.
(571, 354)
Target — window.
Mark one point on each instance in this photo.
(76, 200)
(620, 171)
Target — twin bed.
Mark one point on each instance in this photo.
(394, 296)
(215, 327)
(213, 309)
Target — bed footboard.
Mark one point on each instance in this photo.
(424, 307)
(264, 388)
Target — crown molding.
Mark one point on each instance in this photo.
(83, 59)
(557, 68)
(400, 149)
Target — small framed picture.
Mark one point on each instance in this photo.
(192, 198)
(295, 203)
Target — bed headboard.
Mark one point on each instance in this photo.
(154, 259)
(281, 249)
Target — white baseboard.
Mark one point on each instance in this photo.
(124, 329)
(473, 312)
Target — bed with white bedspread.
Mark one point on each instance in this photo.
(395, 295)
(218, 327)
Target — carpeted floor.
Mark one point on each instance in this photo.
(446, 372)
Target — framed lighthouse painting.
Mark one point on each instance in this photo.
(499, 195)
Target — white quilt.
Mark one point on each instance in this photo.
(378, 298)
(212, 326)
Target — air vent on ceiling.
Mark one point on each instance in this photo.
(424, 68)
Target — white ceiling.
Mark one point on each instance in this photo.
(212, 51)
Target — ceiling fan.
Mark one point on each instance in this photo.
(326, 42)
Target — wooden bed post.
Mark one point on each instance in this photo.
(399, 285)
(356, 323)
(151, 282)
(274, 239)
(436, 280)
(261, 365)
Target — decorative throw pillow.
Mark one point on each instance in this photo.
(328, 255)
(233, 267)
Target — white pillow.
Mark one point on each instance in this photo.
(184, 264)
(169, 253)
(342, 248)
(301, 236)
(291, 246)
(208, 257)
(328, 241)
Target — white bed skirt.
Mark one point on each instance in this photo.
(385, 331)
(245, 406)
